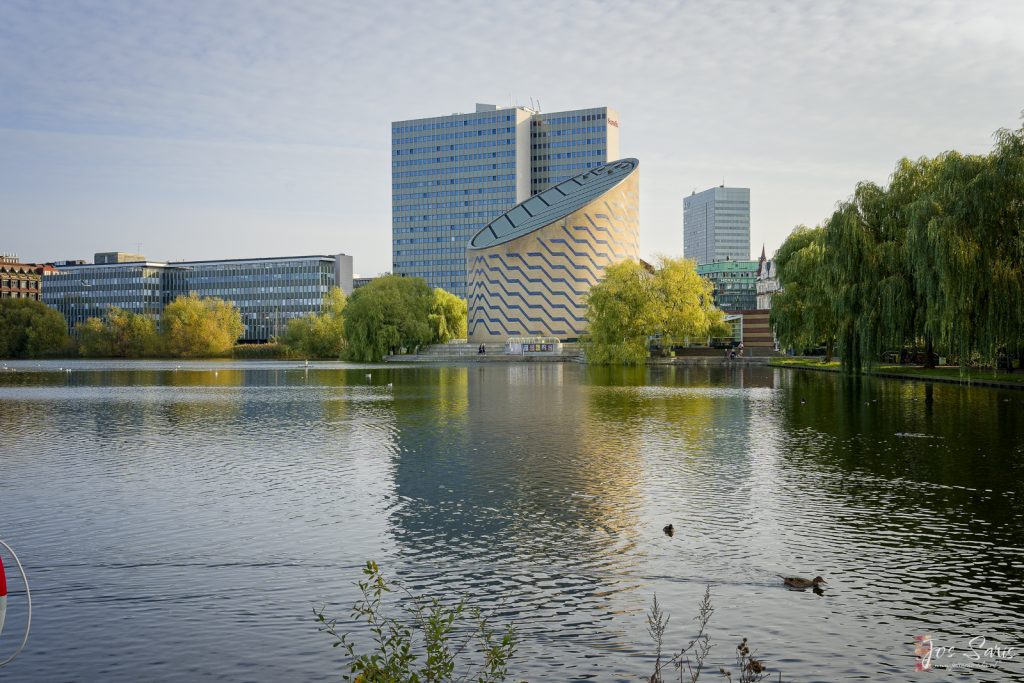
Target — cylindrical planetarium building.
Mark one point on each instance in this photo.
(529, 271)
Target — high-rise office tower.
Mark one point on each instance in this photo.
(716, 224)
(451, 175)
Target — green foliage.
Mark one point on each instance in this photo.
(426, 642)
(119, 334)
(269, 351)
(935, 260)
(320, 335)
(801, 313)
(631, 304)
(30, 329)
(200, 328)
(448, 315)
(389, 313)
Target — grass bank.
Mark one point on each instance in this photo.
(950, 374)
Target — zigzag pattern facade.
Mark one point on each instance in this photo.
(537, 283)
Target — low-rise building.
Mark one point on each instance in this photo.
(20, 280)
(734, 283)
(267, 291)
(767, 281)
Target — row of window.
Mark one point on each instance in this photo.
(570, 155)
(19, 284)
(434, 240)
(503, 201)
(568, 131)
(16, 294)
(565, 167)
(452, 170)
(445, 216)
(500, 189)
(569, 143)
(449, 230)
(439, 125)
(431, 262)
(438, 137)
(432, 250)
(453, 158)
(453, 148)
(454, 181)
(578, 118)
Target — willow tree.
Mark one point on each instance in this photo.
(390, 313)
(851, 272)
(801, 314)
(632, 304)
(448, 315)
(621, 312)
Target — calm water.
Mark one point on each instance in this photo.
(180, 523)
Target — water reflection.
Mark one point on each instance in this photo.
(219, 502)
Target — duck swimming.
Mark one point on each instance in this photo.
(798, 582)
(669, 530)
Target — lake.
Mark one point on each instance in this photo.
(179, 521)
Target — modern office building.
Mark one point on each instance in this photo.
(20, 280)
(734, 283)
(451, 175)
(267, 291)
(530, 270)
(716, 224)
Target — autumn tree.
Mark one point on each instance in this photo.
(120, 334)
(631, 305)
(448, 315)
(200, 328)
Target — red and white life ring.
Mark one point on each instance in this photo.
(3, 602)
(3, 595)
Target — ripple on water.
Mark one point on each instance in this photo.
(217, 509)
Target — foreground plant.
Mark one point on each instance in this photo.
(427, 642)
(688, 662)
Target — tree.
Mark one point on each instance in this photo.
(801, 312)
(30, 329)
(120, 333)
(389, 313)
(631, 304)
(194, 327)
(320, 335)
(448, 315)
(687, 307)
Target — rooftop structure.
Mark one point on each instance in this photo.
(530, 270)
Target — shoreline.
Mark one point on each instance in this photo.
(914, 373)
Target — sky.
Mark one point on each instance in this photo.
(244, 128)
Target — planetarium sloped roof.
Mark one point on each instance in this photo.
(553, 203)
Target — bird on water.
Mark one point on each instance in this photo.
(669, 530)
(799, 582)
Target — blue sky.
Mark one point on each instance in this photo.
(251, 128)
